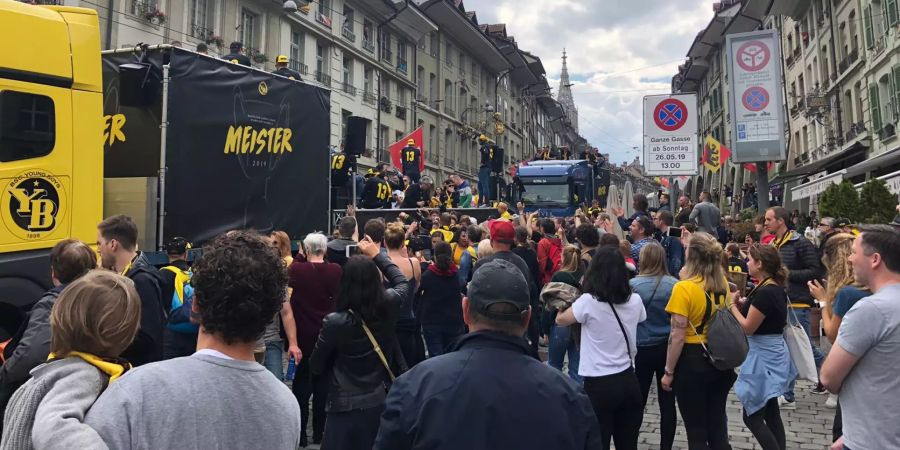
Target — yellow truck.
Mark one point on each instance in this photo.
(188, 145)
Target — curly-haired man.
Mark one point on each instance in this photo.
(219, 396)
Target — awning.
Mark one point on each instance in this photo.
(834, 162)
(881, 161)
(816, 187)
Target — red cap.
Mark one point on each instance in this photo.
(503, 231)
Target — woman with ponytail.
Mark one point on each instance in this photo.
(439, 302)
(767, 372)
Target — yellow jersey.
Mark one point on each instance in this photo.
(689, 300)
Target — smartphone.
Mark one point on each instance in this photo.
(351, 250)
(674, 232)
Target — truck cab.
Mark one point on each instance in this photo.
(50, 157)
(557, 188)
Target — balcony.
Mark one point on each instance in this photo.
(386, 54)
(451, 163)
(847, 62)
(197, 31)
(368, 45)
(887, 131)
(790, 61)
(797, 52)
(879, 44)
(323, 78)
(348, 88)
(401, 65)
(854, 130)
(299, 67)
(400, 112)
(385, 105)
(323, 19)
(348, 34)
(369, 97)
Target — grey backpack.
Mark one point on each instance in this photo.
(726, 346)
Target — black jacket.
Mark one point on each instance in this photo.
(148, 343)
(237, 58)
(336, 251)
(344, 354)
(488, 393)
(801, 258)
(288, 73)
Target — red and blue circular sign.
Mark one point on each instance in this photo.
(670, 114)
(753, 56)
(755, 99)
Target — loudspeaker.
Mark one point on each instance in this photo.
(355, 140)
(497, 162)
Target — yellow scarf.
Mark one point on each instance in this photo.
(780, 242)
(111, 368)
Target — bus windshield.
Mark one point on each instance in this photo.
(545, 193)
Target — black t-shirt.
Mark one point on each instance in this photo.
(736, 264)
(412, 196)
(285, 72)
(411, 158)
(376, 193)
(487, 153)
(237, 58)
(341, 165)
(771, 300)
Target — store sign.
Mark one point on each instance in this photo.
(816, 187)
(758, 109)
(670, 135)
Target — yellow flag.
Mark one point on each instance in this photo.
(714, 154)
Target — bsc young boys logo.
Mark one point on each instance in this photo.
(33, 204)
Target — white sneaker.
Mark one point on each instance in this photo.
(785, 405)
(832, 401)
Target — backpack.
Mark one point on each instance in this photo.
(180, 308)
(554, 256)
(726, 346)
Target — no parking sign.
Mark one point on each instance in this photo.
(670, 135)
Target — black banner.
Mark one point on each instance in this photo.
(601, 183)
(131, 134)
(245, 149)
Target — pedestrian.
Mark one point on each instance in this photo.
(860, 364)
(549, 251)
(409, 333)
(826, 231)
(837, 296)
(70, 260)
(464, 190)
(671, 244)
(640, 205)
(417, 194)
(684, 211)
(736, 263)
(411, 157)
(236, 54)
(314, 287)
(357, 348)
(117, 238)
(281, 68)
(91, 323)
(476, 397)
(219, 396)
(664, 203)
(654, 286)
(202, 48)
(641, 230)
(801, 258)
(588, 239)
(337, 249)
(562, 338)
(180, 335)
(706, 215)
(700, 389)
(438, 300)
(525, 249)
(464, 256)
(609, 314)
(376, 192)
(271, 347)
(768, 369)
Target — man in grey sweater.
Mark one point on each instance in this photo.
(706, 216)
(219, 397)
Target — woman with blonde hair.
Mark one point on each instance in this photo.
(408, 329)
(841, 293)
(654, 285)
(282, 243)
(700, 388)
(562, 340)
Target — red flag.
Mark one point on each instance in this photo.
(419, 136)
(752, 166)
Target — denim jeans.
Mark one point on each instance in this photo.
(438, 338)
(802, 317)
(561, 344)
(484, 185)
(275, 359)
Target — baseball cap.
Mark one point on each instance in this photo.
(281, 59)
(177, 246)
(411, 142)
(841, 222)
(498, 281)
(503, 231)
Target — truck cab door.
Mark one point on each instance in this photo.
(36, 155)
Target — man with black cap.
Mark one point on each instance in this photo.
(180, 335)
(237, 55)
(376, 192)
(281, 68)
(490, 391)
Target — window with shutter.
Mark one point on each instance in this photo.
(874, 108)
(895, 94)
(890, 8)
(870, 34)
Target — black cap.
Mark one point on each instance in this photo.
(498, 281)
(177, 246)
(841, 222)
(236, 45)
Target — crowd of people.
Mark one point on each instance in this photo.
(425, 332)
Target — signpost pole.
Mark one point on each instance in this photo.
(762, 186)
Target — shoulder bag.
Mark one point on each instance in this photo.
(375, 346)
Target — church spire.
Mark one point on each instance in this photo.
(565, 94)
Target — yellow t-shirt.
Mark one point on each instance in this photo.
(689, 300)
(506, 215)
(458, 251)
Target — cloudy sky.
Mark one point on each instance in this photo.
(619, 51)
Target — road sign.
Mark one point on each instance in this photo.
(670, 135)
(758, 118)
(755, 99)
(670, 114)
